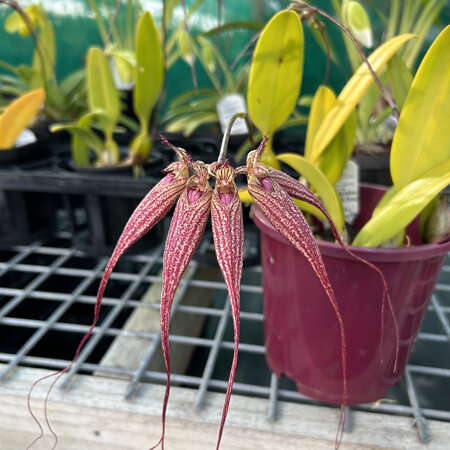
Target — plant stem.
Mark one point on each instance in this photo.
(306, 10)
(226, 136)
(112, 24)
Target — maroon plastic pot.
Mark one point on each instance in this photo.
(301, 330)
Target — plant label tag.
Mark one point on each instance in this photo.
(25, 138)
(348, 189)
(227, 107)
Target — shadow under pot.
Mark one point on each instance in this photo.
(302, 335)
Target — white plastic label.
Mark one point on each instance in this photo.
(227, 107)
(348, 189)
(25, 138)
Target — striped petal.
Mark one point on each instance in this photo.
(289, 221)
(186, 229)
(228, 233)
(299, 191)
(155, 205)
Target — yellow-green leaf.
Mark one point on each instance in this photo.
(16, 117)
(47, 55)
(184, 45)
(320, 184)
(401, 80)
(334, 158)
(324, 99)
(276, 72)
(353, 91)
(357, 20)
(422, 137)
(149, 66)
(15, 23)
(102, 93)
(403, 207)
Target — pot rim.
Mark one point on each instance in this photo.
(418, 252)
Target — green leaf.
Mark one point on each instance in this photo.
(48, 51)
(401, 79)
(184, 45)
(15, 23)
(238, 25)
(324, 99)
(276, 72)
(422, 137)
(102, 93)
(320, 185)
(334, 158)
(353, 91)
(188, 124)
(357, 20)
(403, 207)
(149, 67)
(83, 139)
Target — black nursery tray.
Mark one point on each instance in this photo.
(96, 204)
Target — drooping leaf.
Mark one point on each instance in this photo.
(102, 93)
(83, 139)
(403, 207)
(422, 137)
(276, 72)
(320, 184)
(18, 115)
(353, 91)
(149, 68)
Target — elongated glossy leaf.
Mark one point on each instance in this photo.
(102, 93)
(150, 68)
(18, 115)
(422, 138)
(276, 72)
(353, 91)
(403, 207)
(320, 184)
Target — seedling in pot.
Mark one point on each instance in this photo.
(105, 104)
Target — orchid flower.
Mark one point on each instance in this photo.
(188, 181)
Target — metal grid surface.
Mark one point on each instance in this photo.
(47, 292)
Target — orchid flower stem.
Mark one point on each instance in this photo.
(306, 10)
(226, 136)
(112, 24)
